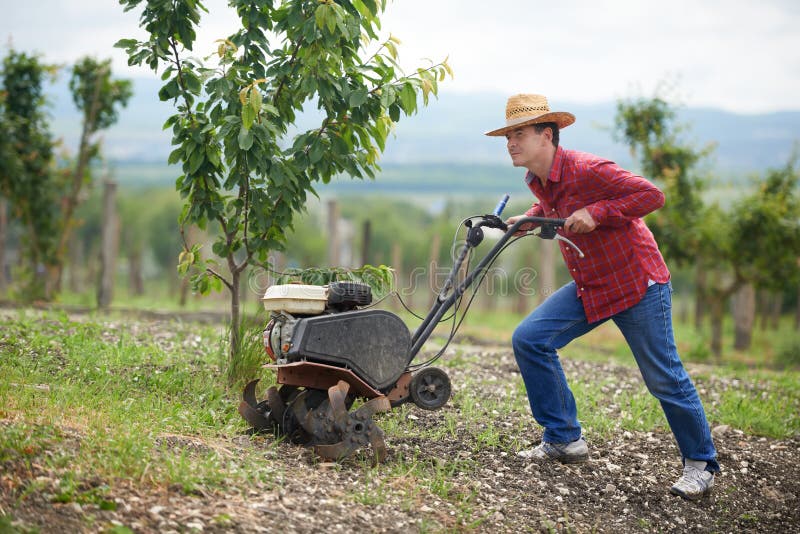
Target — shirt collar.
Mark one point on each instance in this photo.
(555, 168)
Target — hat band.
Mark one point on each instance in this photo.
(520, 120)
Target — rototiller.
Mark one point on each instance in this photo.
(329, 348)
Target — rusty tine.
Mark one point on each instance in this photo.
(276, 405)
(337, 395)
(378, 444)
(373, 406)
(249, 393)
(254, 417)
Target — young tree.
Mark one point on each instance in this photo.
(44, 197)
(98, 97)
(246, 163)
(648, 127)
(26, 162)
(765, 227)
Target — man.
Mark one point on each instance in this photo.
(622, 277)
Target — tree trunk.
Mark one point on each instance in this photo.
(135, 278)
(717, 314)
(183, 296)
(110, 240)
(699, 296)
(76, 263)
(3, 234)
(744, 308)
(235, 326)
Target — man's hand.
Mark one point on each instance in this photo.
(522, 229)
(580, 222)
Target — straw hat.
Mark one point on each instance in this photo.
(524, 110)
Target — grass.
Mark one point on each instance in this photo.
(103, 403)
(125, 399)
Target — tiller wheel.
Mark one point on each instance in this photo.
(310, 417)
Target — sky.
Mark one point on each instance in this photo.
(738, 55)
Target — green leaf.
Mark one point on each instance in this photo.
(316, 153)
(408, 98)
(255, 100)
(248, 117)
(196, 161)
(175, 156)
(320, 15)
(245, 138)
(358, 97)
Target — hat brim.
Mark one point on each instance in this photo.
(561, 118)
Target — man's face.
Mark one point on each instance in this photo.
(526, 147)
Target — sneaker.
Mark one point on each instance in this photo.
(567, 453)
(693, 484)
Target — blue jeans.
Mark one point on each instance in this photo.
(647, 327)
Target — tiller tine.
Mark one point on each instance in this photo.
(249, 393)
(373, 406)
(248, 408)
(276, 404)
(378, 445)
(336, 396)
(354, 430)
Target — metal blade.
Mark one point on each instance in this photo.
(301, 412)
(378, 445)
(249, 393)
(371, 407)
(337, 395)
(254, 417)
(276, 405)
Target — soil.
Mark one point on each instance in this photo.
(623, 488)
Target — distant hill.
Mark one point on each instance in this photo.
(450, 133)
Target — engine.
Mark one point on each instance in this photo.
(324, 324)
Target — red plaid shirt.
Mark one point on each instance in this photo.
(621, 255)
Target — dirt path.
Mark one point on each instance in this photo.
(623, 488)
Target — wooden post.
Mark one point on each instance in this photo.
(110, 246)
(744, 309)
(399, 275)
(365, 242)
(135, 276)
(699, 296)
(334, 246)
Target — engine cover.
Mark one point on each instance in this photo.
(374, 344)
